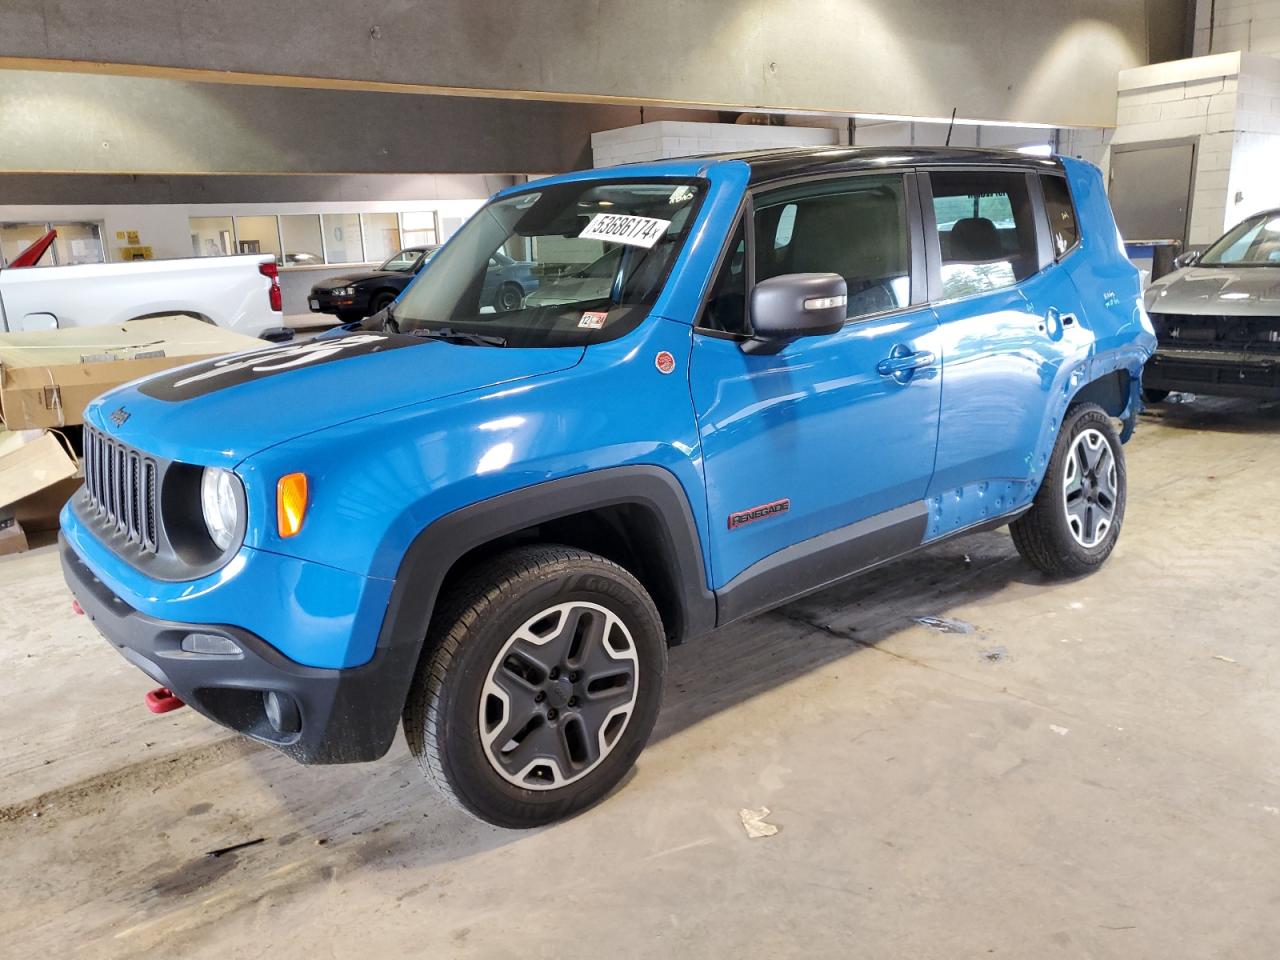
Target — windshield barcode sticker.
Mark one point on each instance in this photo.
(633, 231)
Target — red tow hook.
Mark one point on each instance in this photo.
(76, 608)
(162, 700)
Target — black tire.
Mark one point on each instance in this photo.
(1151, 395)
(380, 301)
(472, 641)
(509, 297)
(345, 318)
(1044, 535)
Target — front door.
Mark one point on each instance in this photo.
(812, 450)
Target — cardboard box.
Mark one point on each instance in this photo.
(30, 464)
(38, 474)
(12, 537)
(47, 378)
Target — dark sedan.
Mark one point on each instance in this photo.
(358, 295)
(1218, 319)
(355, 296)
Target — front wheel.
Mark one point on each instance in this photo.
(1152, 395)
(1075, 518)
(540, 686)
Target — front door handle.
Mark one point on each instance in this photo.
(902, 363)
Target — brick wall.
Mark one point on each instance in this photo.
(663, 139)
(1252, 25)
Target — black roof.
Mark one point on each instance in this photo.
(777, 164)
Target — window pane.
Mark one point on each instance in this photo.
(342, 238)
(1062, 216)
(418, 228)
(16, 237)
(726, 306)
(79, 243)
(211, 236)
(381, 235)
(257, 235)
(986, 230)
(302, 239)
(856, 228)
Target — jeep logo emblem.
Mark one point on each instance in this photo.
(119, 416)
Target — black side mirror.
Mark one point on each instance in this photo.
(1188, 259)
(795, 305)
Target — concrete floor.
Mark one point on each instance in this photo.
(1094, 771)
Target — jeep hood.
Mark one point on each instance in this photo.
(1219, 291)
(217, 412)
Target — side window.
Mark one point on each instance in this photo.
(1062, 215)
(986, 230)
(857, 228)
(726, 308)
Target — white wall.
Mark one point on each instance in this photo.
(164, 226)
(663, 139)
(1229, 103)
(1194, 99)
(1252, 25)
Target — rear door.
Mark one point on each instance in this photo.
(1008, 317)
(821, 436)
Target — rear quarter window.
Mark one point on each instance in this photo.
(1064, 229)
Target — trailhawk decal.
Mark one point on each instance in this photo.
(213, 375)
(743, 517)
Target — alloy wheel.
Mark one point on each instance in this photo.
(1089, 488)
(559, 695)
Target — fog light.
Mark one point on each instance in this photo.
(210, 645)
(282, 712)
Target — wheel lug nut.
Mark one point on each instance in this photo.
(540, 697)
(552, 713)
(573, 701)
(555, 673)
(574, 676)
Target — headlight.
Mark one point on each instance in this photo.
(220, 506)
(344, 292)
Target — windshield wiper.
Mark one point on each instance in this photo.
(450, 335)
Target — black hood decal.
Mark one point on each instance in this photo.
(213, 375)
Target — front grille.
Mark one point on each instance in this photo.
(122, 488)
(1218, 332)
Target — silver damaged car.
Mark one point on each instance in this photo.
(1217, 320)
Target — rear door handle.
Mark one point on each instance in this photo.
(901, 364)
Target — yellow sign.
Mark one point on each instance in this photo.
(135, 253)
(119, 234)
(133, 238)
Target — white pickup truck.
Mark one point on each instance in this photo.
(240, 293)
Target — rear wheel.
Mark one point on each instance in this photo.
(1075, 519)
(540, 687)
(510, 297)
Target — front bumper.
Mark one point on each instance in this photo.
(326, 302)
(347, 715)
(1228, 373)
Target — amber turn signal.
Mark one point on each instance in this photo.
(291, 503)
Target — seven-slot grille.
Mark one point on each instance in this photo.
(122, 486)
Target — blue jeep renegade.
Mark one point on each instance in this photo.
(740, 379)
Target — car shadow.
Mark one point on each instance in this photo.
(1185, 411)
(732, 665)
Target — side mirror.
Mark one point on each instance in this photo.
(795, 305)
(1188, 259)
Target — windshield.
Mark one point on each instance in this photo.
(1253, 242)
(406, 260)
(565, 265)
